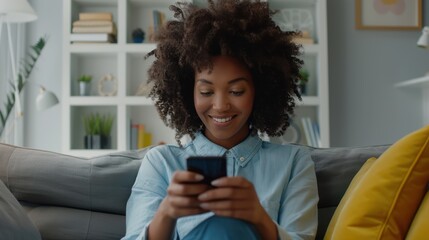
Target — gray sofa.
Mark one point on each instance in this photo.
(74, 198)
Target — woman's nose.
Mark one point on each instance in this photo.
(221, 103)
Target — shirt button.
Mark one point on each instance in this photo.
(242, 159)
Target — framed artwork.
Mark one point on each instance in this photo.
(388, 14)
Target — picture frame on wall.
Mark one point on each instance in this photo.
(389, 14)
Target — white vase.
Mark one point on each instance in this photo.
(84, 88)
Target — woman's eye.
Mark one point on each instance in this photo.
(206, 93)
(237, 93)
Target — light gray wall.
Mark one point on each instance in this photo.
(364, 65)
(365, 107)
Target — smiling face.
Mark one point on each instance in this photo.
(223, 99)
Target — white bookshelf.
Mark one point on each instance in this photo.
(315, 104)
(125, 61)
(419, 84)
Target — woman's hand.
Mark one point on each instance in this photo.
(233, 197)
(236, 197)
(182, 195)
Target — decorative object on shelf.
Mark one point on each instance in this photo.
(292, 135)
(296, 19)
(138, 35)
(45, 99)
(388, 15)
(84, 84)
(22, 76)
(97, 131)
(303, 80)
(144, 89)
(107, 85)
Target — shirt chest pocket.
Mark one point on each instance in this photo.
(272, 208)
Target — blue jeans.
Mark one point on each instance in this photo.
(223, 228)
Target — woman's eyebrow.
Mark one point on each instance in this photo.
(202, 80)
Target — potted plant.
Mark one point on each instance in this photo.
(303, 80)
(84, 84)
(138, 35)
(97, 131)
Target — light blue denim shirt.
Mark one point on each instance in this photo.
(283, 177)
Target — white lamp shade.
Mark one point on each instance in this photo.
(16, 11)
(45, 99)
(424, 38)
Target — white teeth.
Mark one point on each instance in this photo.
(222, 120)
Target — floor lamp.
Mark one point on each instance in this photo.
(15, 11)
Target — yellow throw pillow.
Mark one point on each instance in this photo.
(382, 205)
(420, 227)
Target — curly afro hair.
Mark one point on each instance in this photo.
(241, 29)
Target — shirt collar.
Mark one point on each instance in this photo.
(242, 152)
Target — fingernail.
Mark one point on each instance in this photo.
(202, 196)
(199, 177)
(215, 182)
(204, 205)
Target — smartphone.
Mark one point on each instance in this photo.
(211, 167)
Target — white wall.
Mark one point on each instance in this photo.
(43, 129)
(365, 107)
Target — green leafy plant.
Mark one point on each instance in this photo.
(303, 76)
(24, 71)
(96, 124)
(85, 78)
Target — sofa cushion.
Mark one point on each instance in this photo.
(14, 223)
(335, 168)
(384, 202)
(348, 195)
(98, 184)
(75, 224)
(420, 226)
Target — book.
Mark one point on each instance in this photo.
(312, 132)
(306, 131)
(107, 16)
(158, 19)
(140, 136)
(301, 40)
(92, 23)
(95, 29)
(92, 37)
(317, 134)
(144, 138)
(133, 135)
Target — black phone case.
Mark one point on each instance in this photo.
(210, 167)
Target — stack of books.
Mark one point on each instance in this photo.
(158, 19)
(311, 132)
(94, 27)
(139, 137)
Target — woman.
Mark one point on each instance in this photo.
(221, 75)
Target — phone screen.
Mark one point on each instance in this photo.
(210, 167)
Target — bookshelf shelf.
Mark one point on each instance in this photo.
(126, 61)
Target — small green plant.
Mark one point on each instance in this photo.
(96, 124)
(303, 76)
(85, 78)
